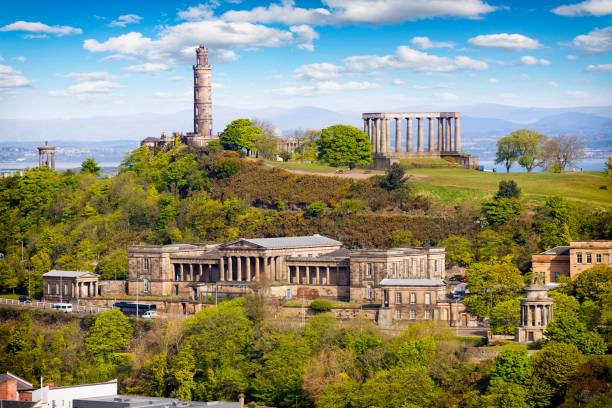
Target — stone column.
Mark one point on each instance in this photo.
(447, 143)
(440, 142)
(409, 135)
(366, 127)
(398, 135)
(239, 268)
(381, 135)
(257, 269)
(318, 275)
(388, 135)
(307, 275)
(375, 134)
(457, 134)
(230, 268)
(327, 275)
(431, 147)
(53, 160)
(420, 140)
(248, 268)
(221, 269)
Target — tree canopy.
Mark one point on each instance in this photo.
(90, 166)
(342, 145)
(240, 134)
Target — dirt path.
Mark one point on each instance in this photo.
(354, 174)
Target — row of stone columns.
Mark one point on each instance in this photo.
(194, 272)
(379, 131)
(321, 274)
(78, 288)
(536, 315)
(263, 268)
(46, 158)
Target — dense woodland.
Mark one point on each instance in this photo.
(85, 221)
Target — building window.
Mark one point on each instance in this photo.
(556, 277)
(427, 315)
(369, 292)
(57, 289)
(588, 257)
(422, 267)
(598, 258)
(413, 315)
(49, 288)
(579, 257)
(414, 267)
(436, 265)
(145, 285)
(368, 269)
(145, 264)
(413, 298)
(398, 298)
(427, 298)
(176, 289)
(398, 314)
(394, 269)
(65, 289)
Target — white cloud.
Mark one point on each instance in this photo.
(86, 88)
(41, 28)
(276, 77)
(599, 68)
(586, 8)
(464, 62)
(505, 41)
(361, 11)
(181, 96)
(35, 36)
(90, 76)
(176, 44)
(319, 71)
(446, 85)
(526, 77)
(418, 87)
(553, 84)
(398, 82)
(576, 94)
(10, 78)
(177, 78)
(572, 57)
(20, 58)
(493, 80)
(531, 60)
(446, 96)
(198, 13)
(597, 41)
(148, 68)
(124, 20)
(325, 87)
(425, 43)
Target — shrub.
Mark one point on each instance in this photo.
(321, 305)
(226, 167)
(315, 208)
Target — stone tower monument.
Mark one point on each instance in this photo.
(202, 98)
(536, 313)
(46, 156)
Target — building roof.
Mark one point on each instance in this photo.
(19, 404)
(293, 242)
(560, 250)
(54, 273)
(150, 139)
(59, 387)
(21, 383)
(132, 401)
(411, 282)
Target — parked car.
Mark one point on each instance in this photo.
(25, 299)
(458, 278)
(149, 314)
(63, 307)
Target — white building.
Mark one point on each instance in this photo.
(61, 397)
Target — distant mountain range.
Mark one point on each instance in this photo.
(482, 125)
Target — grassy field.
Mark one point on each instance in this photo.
(317, 167)
(427, 163)
(584, 186)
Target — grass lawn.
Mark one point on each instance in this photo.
(317, 167)
(427, 163)
(584, 186)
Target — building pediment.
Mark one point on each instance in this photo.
(239, 244)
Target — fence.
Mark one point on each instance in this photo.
(49, 306)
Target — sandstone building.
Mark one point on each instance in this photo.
(69, 286)
(570, 260)
(406, 282)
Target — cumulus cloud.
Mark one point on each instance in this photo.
(319, 71)
(446, 85)
(198, 13)
(446, 96)
(553, 84)
(124, 20)
(572, 57)
(425, 43)
(284, 13)
(10, 78)
(325, 87)
(505, 41)
(87, 88)
(148, 68)
(586, 8)
(175, 44)
(597, 41)
(90, 76)
(37, 27)
(599, 68)
(531, 60)
(493, 80)
(20, 58)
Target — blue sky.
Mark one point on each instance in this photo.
(78, 59)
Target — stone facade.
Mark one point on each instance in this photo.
(288, 144)
(69, 286)
(570, 260)
(46, 156)
(310, 267)
(378, 127)
(536, 313)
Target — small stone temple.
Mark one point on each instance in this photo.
(46, 156)
(536, 313)
(447, 143)
(69, 286)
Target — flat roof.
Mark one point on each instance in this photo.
(411, 282)
(560, 250)
(136, 401)
(293, 242)
(55, 273)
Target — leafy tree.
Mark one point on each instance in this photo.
(110, 333)
(265, 145)
(563, 151)
(394, 177)
(590, 385)
(566, 327)
(458, 250)
(506, 152)
(315, 209)
(114, 265)
(402, 238)
(505, 316)
(529, 145)
(501, 210)
(286, 156)
(342, 145)
(508, 189)
(491, 244)
(504, 394)
(511, 366)
(590, 283)
(182, 369)
(608, 169)
(321, 305)
(90, 166)
(240, 134)
(553, 222)
(226, 167)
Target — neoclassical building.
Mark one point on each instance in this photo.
(408, 282)
(572, 259)
(69, 286)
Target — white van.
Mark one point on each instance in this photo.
(64, 307)
(149, 314)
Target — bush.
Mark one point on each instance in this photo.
(315, 208)
(226, 167)
(321, 305)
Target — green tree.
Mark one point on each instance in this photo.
(511, 366)
(501, 210)
(90, 166)
(507, 152)
(394, 177)
(562, 151)
(508, 189)
(458, 250)
(608, 169)
(315, 209)
(226, 167)
(505, 316)
(342, 145)
(240, 134)
(529, 145)
(114, 265)
(321, 305)
(110, 333)
(182, 369)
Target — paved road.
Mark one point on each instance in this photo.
(49, 306)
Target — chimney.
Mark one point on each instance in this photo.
(241, 400)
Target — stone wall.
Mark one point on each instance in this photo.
(112, 287)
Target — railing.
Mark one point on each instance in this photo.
(49, 306)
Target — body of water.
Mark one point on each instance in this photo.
(586, 165)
